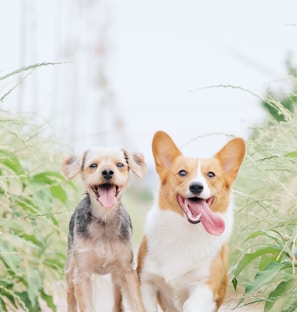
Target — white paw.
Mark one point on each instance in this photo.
(200, 300)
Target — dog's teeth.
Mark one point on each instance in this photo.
(198, 217)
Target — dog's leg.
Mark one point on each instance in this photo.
(200, 300)
(83, 293)
(131, 285)
(149, 296)
(71, 300)
(118, 305)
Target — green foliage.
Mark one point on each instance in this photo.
(264, 242)
(33, 216)
(275, 270)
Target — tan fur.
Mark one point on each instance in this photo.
(103, 245)
(218, 279)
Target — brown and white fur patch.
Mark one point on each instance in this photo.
(183, 257)
(100, 229)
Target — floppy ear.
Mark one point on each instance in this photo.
(231, 157)
(71, 165)
(136, 163)
(164, 150)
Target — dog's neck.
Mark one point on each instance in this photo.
(114, 223)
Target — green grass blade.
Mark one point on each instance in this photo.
(281, 290)
(264, 277)
(250, 257)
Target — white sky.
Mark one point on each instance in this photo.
(158, 52)
(168, 48)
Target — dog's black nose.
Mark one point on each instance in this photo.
(107, 174)
(196, 188)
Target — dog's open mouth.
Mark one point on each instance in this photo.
(198, 210)
(106, 194)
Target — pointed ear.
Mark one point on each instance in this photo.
(136, 163)
(231, 157)
(164, 150)
(71, 165)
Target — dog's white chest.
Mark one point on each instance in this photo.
(178, 260)
(178, 250)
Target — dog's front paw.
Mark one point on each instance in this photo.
(201, 300)
(188, 307)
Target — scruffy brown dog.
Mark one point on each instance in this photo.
(99, 239)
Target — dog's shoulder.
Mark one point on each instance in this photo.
(82, 216)
(125, 224)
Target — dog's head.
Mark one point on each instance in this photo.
(105, 172)
(198, 189)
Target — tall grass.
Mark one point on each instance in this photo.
(263, 247)
(34, 198)
(27, 70)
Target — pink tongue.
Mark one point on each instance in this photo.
(107, 196)
(212, 222)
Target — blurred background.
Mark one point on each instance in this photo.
(79, 73)
(129, 68)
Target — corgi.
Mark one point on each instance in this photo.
(183, 256)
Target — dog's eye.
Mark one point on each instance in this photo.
(211, 174)
(120, 165)
(93, 166)
(182, 173)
